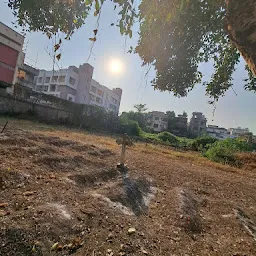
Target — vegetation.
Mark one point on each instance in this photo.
(136, 117)
(130, 127)
(175, 36)
(202, 143)
(224, 151)
(167, 137)
(141, 108)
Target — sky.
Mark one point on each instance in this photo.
(231, 111)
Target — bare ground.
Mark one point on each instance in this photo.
(61, 194)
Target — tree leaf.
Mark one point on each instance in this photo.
(130, 33)
(93, 39)
(97, 5)
(56, 47)
(58, 56)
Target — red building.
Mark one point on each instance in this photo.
(11, 55)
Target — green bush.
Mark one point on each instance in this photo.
(202, 143)
(130, 127)
(220, 154)
(168, 137)
(223, 151)
(236, 145)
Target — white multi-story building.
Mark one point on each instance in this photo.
(102, 96)
(236, 132)
(157, 121)
(217, 132)
(71, 84)
(76, 84)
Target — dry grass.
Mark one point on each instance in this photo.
(72, 178)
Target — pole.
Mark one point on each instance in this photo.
(4, 127)
(122, 159)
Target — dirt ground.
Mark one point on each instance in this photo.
(61, 194)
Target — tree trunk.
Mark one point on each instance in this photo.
(241, 24)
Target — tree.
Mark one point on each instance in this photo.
(175, 36)
(171, 121)
(138, 117)
(140, 108)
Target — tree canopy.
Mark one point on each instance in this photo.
(175, 36)
(140, 108)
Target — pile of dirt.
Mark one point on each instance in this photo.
(191, 220)
(91, 178)
(13, 179)
(62, 163)
(129, 195)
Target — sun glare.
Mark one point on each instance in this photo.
(116, 66)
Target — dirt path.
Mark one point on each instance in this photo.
(62, 187)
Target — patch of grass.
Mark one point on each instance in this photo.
(224, 151)
(168, 137)
(202, 143)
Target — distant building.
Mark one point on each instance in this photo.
(157, 121)
(236, 132)
(181, 125)
(11, 55)
(197, 125)
(71, 84)
(76, 85)
(102, 96)
(217, 132)
(26, 75)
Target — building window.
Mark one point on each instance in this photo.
(93, 89)
(52, 87)
(71, 97)
(61, 79)
(22, 74)
(40, 80)
(98, 100)
(54, 79)
(72, 81)
(113, 107)
(156, 118)
(47, 80)
(46, 88)
(99, 92)
(155, 125)
(39, 88)
(92, 97)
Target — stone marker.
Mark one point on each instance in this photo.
(124, 141)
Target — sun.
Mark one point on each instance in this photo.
(116, 66)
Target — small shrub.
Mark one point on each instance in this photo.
(224, 151)
(130, 127)
(168, 137)
(202, 143)
(221, 154)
